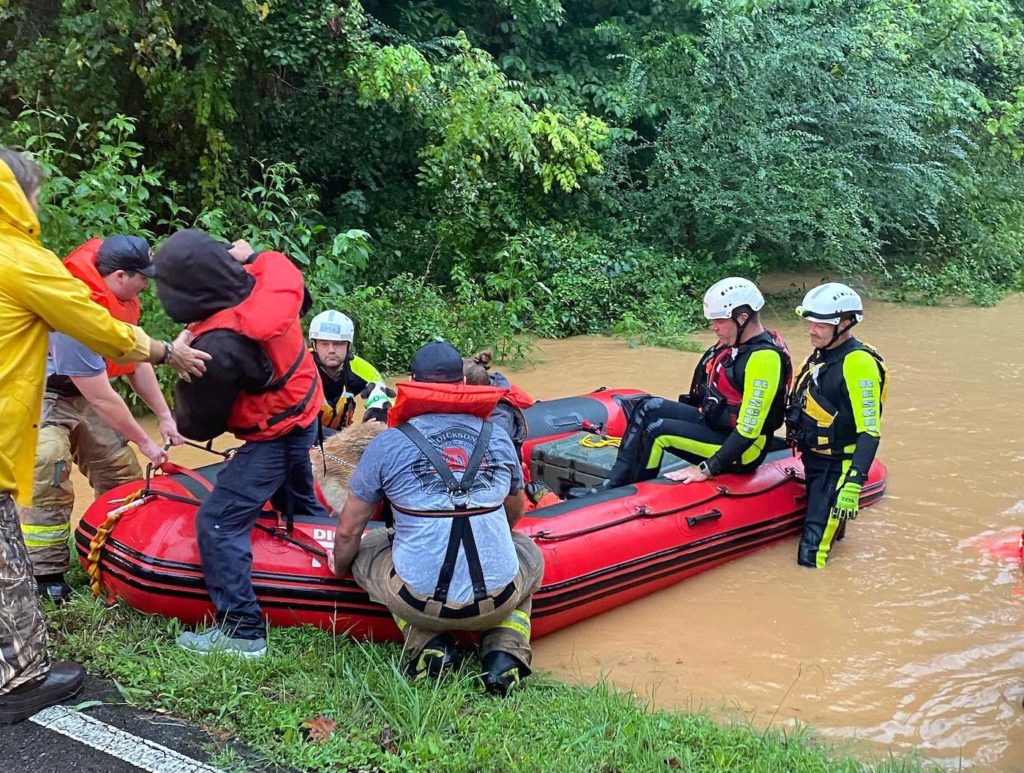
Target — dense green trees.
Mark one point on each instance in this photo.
(530, 164)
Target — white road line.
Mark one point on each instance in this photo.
(111, 740)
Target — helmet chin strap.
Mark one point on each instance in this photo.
(740, 328)
(837, 332)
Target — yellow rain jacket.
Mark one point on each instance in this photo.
(37, 295)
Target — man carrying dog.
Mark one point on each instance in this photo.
(454, 484)
(244, 308)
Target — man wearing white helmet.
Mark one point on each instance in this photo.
(736, 400)
(344, 375)
(834, 416)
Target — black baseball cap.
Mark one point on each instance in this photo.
(437, 362)
(126, 253)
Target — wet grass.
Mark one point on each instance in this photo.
(374, 718)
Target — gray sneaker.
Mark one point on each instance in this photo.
(215, 640)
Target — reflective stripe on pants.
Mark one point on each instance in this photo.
(72, 432)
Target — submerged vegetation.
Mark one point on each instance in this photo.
(486, 170)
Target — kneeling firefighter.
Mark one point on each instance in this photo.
(834, 416)
(736, 400)
(454, 483)
(244, 308)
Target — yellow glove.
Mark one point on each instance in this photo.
(847, 502)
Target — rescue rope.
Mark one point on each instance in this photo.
(590, 441)
(96, 544)
(336, 459)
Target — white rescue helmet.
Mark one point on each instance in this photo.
(829, 302)
(331, 326)
(729, 294)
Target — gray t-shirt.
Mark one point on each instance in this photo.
(67, 357)
(393, 467)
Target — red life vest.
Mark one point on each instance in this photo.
(721, 393)
(519, 397)
(416, 398)
(270, 316)
(81, 263)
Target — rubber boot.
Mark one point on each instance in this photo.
(62, 683)
(53, 587)
(585, 491)
(502, 672)
(437, 656)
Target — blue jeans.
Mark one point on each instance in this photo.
(225, 520)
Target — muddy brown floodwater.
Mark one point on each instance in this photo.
(911, 638)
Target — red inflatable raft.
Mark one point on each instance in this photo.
(600, 551)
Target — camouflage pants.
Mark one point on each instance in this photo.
(71, 431)
(505, 627)
(23, 655)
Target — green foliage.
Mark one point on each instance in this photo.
(490, 170)
(96, 182)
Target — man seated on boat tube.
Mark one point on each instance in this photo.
(454, 484)
(244, 308)
(84, 420)
(834, 416)
(344, 374)
(735, 403)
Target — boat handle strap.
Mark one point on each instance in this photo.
(693, 520)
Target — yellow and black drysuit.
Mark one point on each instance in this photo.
(834, 418)
(340, 390)
(736, 401)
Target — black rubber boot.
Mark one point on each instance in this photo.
(62, 683)
(502, 672)
(807, 556)
(585, 491)
(54, 588)
(438, 656)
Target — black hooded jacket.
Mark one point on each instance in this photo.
(195, 278)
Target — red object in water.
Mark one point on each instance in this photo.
(600, 551)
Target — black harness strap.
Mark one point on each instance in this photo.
(283, 379)
(461, 531)
(287, 413)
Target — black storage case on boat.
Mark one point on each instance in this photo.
(564, 463)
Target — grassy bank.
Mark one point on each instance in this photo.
(323, 703)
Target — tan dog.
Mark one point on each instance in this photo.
(342, 452)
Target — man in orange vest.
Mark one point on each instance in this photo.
(454, 562)
(244, 309)
(84, 420)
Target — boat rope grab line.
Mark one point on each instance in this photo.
(147, 494)
(642, 511)
(133, 500)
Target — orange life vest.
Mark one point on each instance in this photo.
(81, 263)
(270, 317)
(418, 397)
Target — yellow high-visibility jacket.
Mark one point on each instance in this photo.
(37, 295)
